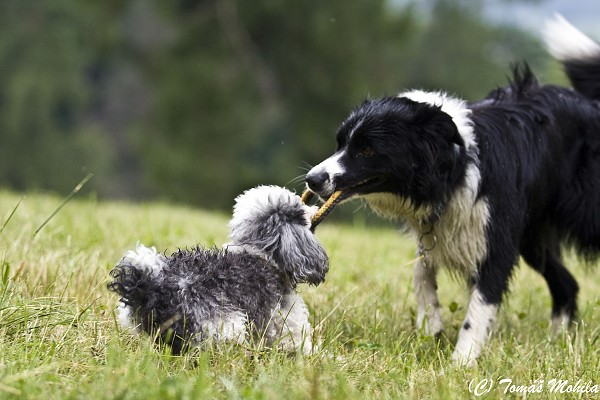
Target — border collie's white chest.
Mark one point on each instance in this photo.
(456, 241)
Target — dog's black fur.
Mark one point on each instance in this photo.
(524, 169)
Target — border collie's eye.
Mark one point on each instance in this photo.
(366, 152)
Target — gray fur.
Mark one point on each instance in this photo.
(245, 290)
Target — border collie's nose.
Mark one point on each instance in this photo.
(316, 180)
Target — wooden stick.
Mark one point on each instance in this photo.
(307, 195)
(326, 208)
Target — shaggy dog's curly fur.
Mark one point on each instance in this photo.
(247, 290)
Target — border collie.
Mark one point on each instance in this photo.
(479, 184)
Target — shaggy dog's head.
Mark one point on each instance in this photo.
(275, 222)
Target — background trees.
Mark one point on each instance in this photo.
(195, 100)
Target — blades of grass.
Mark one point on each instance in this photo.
(5, 273)
(5, 281)
(11, 215)
(65, 201)
(318, 326)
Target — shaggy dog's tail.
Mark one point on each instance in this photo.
(138, 279)
(579, 54)
(137, 276)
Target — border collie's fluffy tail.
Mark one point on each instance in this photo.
(578, 53)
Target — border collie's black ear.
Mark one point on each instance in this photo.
(456, 138)
(432, 119)
(444, 124)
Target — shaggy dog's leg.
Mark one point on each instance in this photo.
(229, 327)
(428, 306)
(292, 324)
(125, 319)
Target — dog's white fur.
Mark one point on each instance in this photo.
(565, 42)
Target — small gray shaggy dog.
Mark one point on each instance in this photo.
(247, 290)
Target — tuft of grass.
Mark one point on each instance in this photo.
(76, 190)
(11, 215)
(59, 339)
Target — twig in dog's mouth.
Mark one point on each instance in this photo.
(333, 200)
(328, 206)
(307, 195)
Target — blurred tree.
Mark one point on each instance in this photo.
(197, 100)
(465, 55)
(42, 96)
(251, 89)
(65, 97)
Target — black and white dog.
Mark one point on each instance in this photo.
(517, 173)
(245, 291)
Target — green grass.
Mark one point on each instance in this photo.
(59, 339)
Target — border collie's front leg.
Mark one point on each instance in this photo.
(475, 331)
(489, 284)
(428, 305)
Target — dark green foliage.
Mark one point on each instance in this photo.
(194, 101)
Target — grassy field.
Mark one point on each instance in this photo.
(59, 339)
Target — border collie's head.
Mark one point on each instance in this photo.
(413, 147)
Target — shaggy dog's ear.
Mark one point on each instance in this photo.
(273, 220)
(299, 254)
